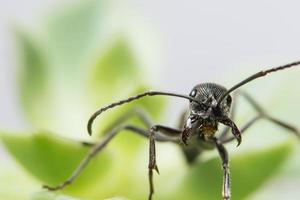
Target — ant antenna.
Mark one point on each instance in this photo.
(149, 93)
(257, 75)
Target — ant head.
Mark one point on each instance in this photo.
(207, 105)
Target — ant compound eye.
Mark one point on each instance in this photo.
(193, 93)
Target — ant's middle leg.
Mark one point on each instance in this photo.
(100, 146)
(107, 138)
(266, 116)
(134, 112)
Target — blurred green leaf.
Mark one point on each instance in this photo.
(115, 73)
(51, 196)
(52, 159)
(72, 34)
(117, 198)
(59, 82)
(71, 37)
(248, 172)
(45, 104)
(33, 76)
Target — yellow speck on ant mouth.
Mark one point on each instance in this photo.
(208, 130)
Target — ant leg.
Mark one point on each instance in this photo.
(138, 112)
(166, 131)
(276, 121)
(225, 166)
(135, 112)
(163, 133)
(152, 162)
(262, 115)
(285, 125)
(98, 147)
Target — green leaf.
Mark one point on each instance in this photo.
(56, 84)
(72, 34)
(41, 101)
(52, 159)
(248, 173)
(33, 76)
(115, 73)
(117, 198)
(51, 196)
(53, 68)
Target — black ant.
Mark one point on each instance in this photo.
(210, 104)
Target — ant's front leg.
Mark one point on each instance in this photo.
(225, 166)
(166, 132)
